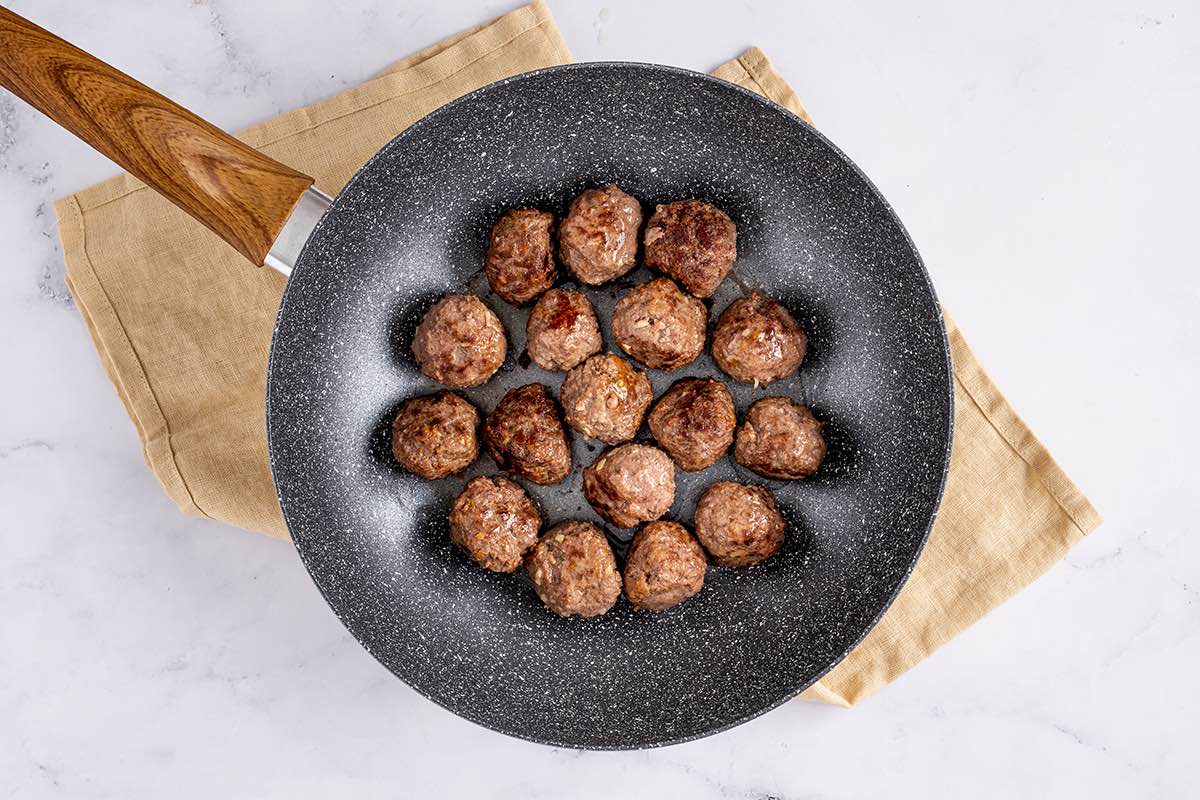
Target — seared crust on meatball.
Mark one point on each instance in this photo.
(630, 484)
(738, 524)
(598, 240)
(780, 439)
(494, 522)
(562, 330)
(757, 341)
(434, 435)
(694, 422)
(693, 242)
(573, 570)
(659, 325)
(605, 398)
(520, 258)
(525, 435)
(664, 566)
(459, 342)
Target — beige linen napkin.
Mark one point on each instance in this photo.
(183, 326)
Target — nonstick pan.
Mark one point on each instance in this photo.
(411, 226)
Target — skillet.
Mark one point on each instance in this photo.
(411, 226)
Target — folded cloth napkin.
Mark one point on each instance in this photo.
(183, 327)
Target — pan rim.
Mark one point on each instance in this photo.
(947, 434)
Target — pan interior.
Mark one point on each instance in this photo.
(412, 226)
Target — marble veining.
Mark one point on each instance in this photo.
(145, 654)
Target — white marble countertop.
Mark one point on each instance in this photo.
(1044, 157)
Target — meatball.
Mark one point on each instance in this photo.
(779, 439)
(526, 437)
(520, 258)
(757, 341)
(573, 570)
(738, 524)
(659, 325)
(693, 242)
(562, 330)
(605, 398)
(459, 342)
(495, 522)
(434, 435)
(694, 422)
(664, 566)
(598, 240)
(630, 484)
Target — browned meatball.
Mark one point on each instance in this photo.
(757, 341)
(562, 330)
(664, 566)
(694, 422)
(434, 436)
(693, 242)
(630, 484)
(495, 522)
(573, 570)
(780, 439)
(659, 325)
(599, 238)
(738, 524)
(526, 437)
(605, 398)
(520, 257)
(459, 342)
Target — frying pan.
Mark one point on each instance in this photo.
(411, 226)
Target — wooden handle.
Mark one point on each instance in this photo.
(240, 194)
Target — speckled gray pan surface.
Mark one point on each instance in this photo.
(413, 224)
